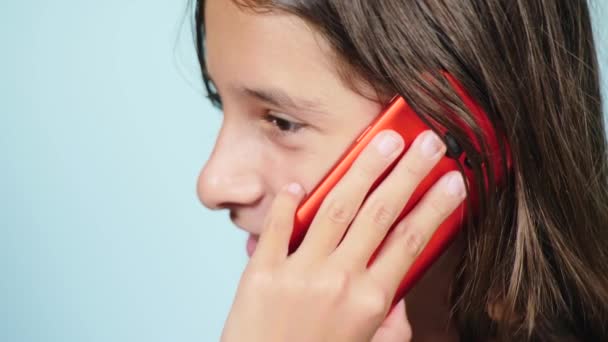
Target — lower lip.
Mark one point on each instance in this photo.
(252, 242)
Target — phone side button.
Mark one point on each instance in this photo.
(453, 148)
(363, 133)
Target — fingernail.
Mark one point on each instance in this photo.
(431, 145)
(294, 188)
(387, 143)
(455, 185)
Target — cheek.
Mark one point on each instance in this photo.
(310, 166)
(325, 151)
(282, 167)
(312, 162)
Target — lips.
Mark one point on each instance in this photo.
(252, 242)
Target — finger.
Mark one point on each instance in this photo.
(396, 327)
(274, 241)
(342, 203)
(411, 235)
(384, 205)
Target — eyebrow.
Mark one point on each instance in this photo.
(279, 98)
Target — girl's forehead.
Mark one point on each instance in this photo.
(247, 50)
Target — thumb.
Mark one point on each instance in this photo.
(395, 327)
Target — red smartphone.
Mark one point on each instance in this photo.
(399, 116)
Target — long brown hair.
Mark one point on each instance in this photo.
(536, 260)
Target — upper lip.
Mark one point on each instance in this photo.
(233, 218)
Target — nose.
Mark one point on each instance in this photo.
(231, 176)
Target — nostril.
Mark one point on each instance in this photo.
(218, 191)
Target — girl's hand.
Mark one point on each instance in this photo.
(395, 327)
(324, 291)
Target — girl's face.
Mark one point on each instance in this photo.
(287, 114)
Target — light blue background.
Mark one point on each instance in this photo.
(103, 130)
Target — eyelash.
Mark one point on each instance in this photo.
(215, 100)
(212, 94)
(282, 126)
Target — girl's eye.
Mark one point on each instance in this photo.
(283, 126)
(212, 94)
(215, 99)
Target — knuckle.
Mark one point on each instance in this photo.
(289, 284)
(339, 283)
(283, 198)
(272, 223)
(415, 169)
(293, 285)
(412, 243)
(437, 207)
(339, 211)
(331, 288)
(367, 168)
(382, 212)
(259, 278)
(372, 304)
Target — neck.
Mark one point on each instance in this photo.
(427, 303)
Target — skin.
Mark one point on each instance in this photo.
(263, 146)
